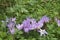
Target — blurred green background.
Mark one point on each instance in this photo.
(21, 9)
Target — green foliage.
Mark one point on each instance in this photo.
(30, 8)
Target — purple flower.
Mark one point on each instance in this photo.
(26, 25)
(45, 18)
(26, 30)
(33, 21)
(11, 22)
(29, 24)
(13, 19)
(12, 31)
(19, 27)
(58, 21)
(33, 24)
(40, 23)
(11, 25)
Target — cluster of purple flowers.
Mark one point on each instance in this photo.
(29, 24)
(11, 24)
